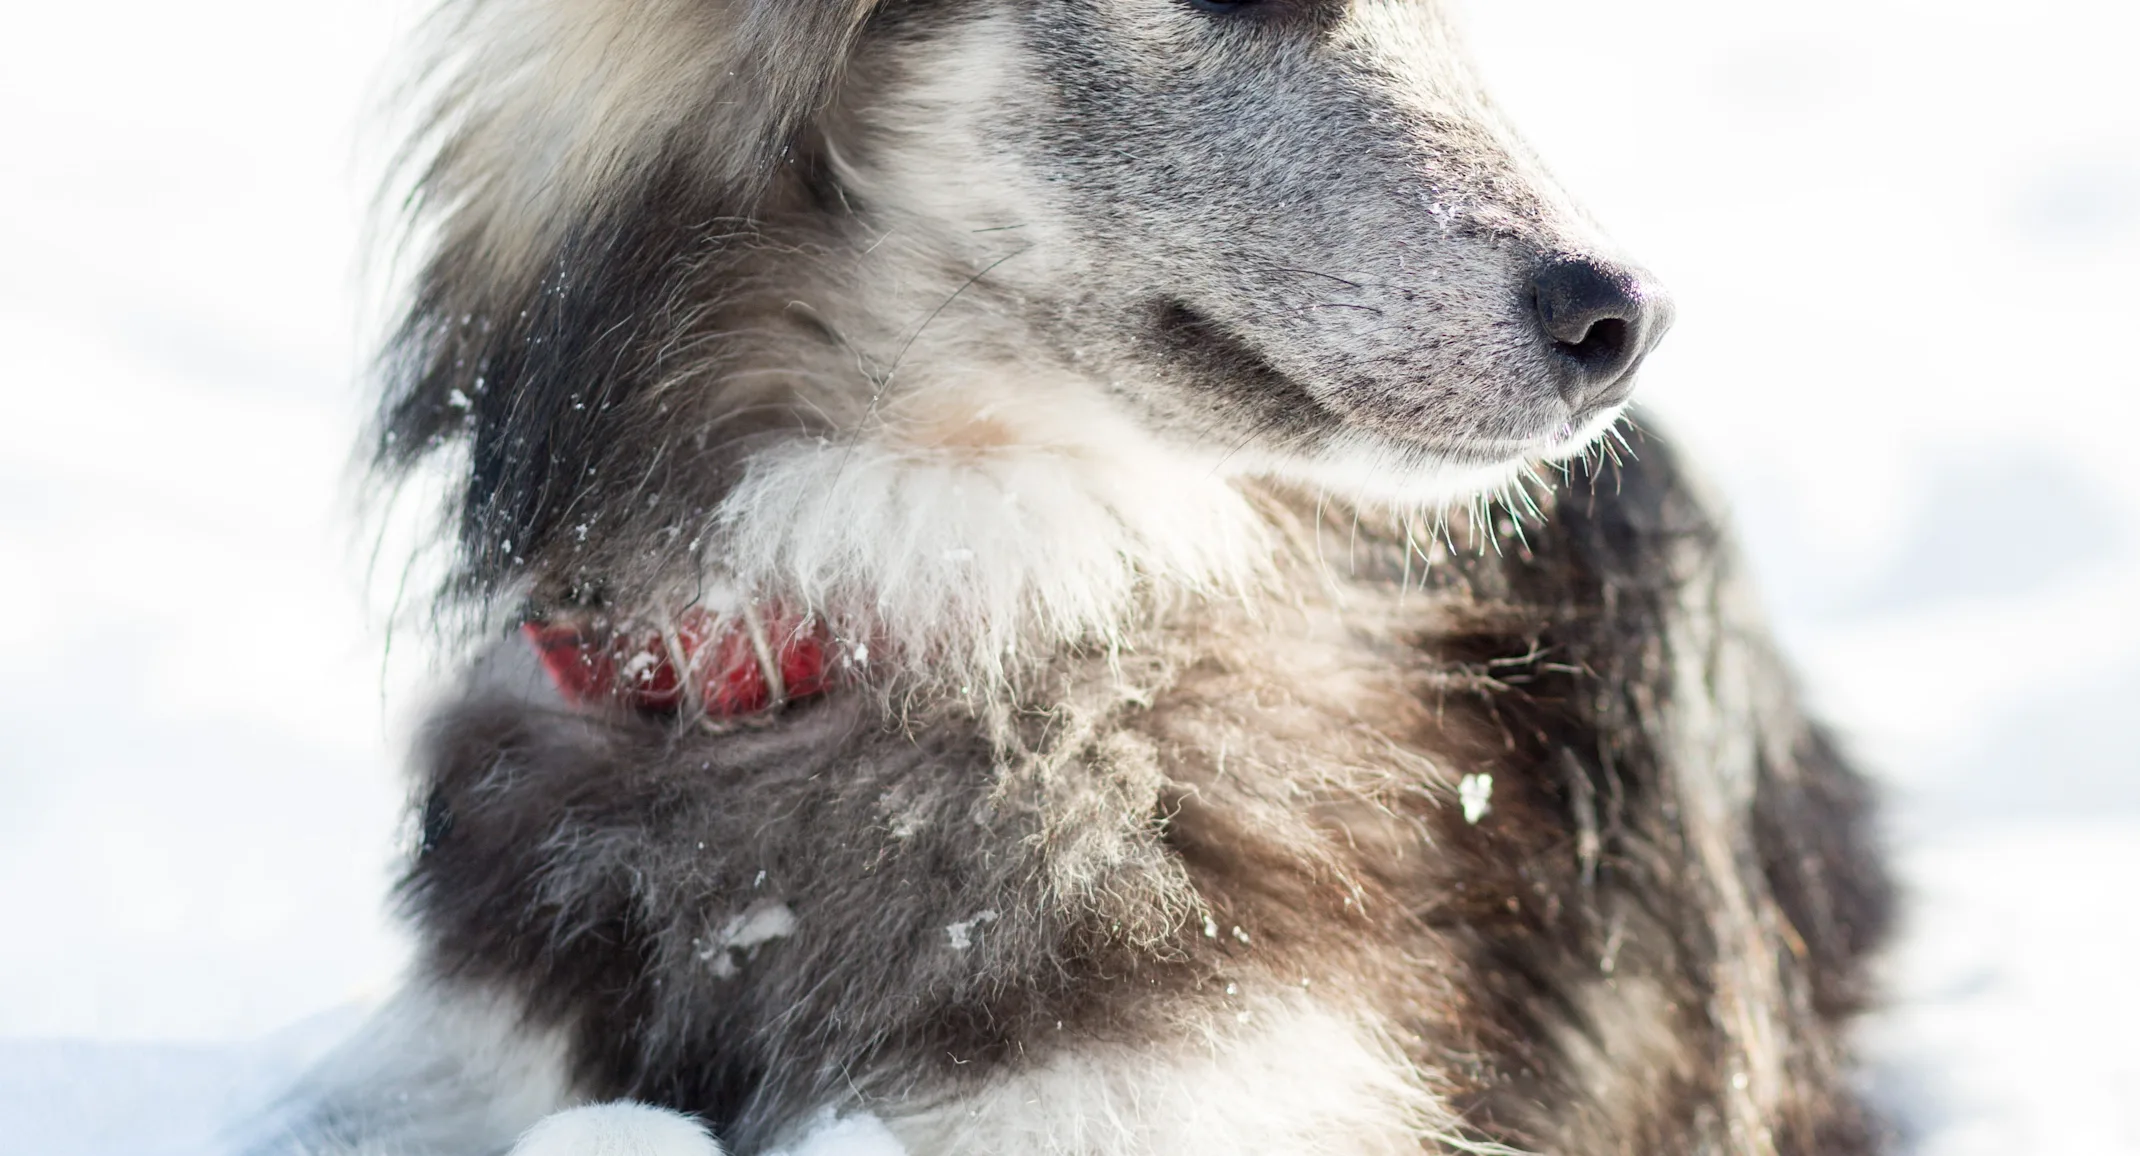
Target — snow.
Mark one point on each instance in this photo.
(2017, 996)
(1900, 235)
(761, 922)
(961, 933)
(1476, 792)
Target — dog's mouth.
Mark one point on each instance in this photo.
(1287, 417)
(1253, 391)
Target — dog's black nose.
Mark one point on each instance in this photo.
(1601, 320)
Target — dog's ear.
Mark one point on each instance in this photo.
(576, 162)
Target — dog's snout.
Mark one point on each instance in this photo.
(1600, 320)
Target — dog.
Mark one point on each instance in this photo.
(1069, 578)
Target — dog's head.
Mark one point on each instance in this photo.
(1294, 230)
(669, 238)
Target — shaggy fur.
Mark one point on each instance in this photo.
(1111, 381)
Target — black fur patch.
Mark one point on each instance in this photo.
(547, 386)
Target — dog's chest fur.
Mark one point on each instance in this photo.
(1244, 838)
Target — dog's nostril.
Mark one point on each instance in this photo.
(1604, 344)
(1600, 320)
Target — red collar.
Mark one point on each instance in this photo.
(726, 667)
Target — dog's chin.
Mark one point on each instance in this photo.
(1371, 467)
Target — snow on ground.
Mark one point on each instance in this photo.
(1901, 235)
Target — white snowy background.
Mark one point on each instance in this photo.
(1905, 240)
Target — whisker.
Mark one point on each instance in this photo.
(1345, 305)
(1350, 284)
(884, 381)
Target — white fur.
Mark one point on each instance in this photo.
(1282, 1079)
(617, 1129)
(1374, 471)
(961, 558)
(831, 1134)
(957, 560)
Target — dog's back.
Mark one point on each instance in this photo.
(1034, 700)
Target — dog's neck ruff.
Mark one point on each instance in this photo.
(721, 667)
